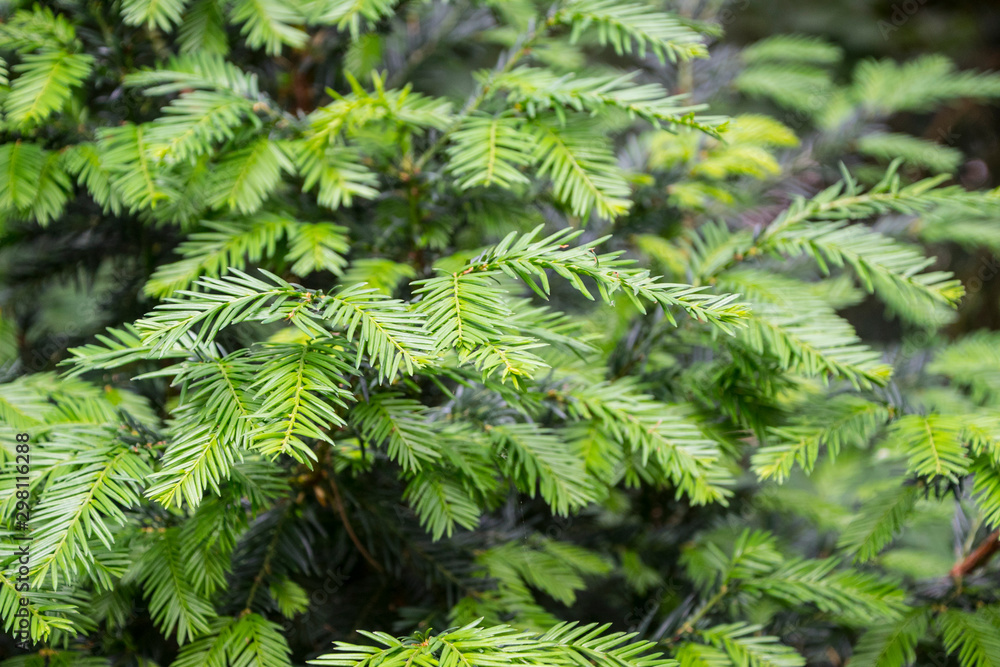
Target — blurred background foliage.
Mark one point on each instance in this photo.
(814, 90)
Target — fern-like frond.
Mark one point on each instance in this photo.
(197, 71)
(319, 246)
(134, 176)
(386, 329)
(886, 87)
(403, 425)
(337, 173)
(751, 554)
(537, 458)
(118, 348)
(162, 14)
(463, 310)
(878, 522)
(299, 389)
(173, 602)
(792, 48)
(195, 121)
(243, 180)
(837, 422)
(537, 89)
(632, 28)
(389, 108)
(45, 82)
(291, 598)
(860, 597)
(203, 29)
(801, 331)
(257, 642)
(488, 151)
(21, 165)
(221, 246)
(892, 644)
(85, 161)
(917, 152)
(986, 487)
(500, 645)
(664, 433)
(974, 362)
(269, 24)
(237, 297)
(351, 14)
(690, 654)
(528, 258)
(379, 273)
(212, 427)
(801, 87)
(584, 172)
(973, 635)
(441, 502)
(892, 269)
(746, 647)
(933, 445)
(37, 185)
(49, 614)
(94, 481)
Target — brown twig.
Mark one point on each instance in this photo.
(978, 556)
(347, 526)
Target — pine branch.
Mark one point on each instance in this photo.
(663, 433)
(933, 445)
(387, 330)
(883, 265)
(243, 180)
(232, 299)
(879, 521)
(173, 604)
(537, 458)
(269, 24)
(801, 331)
(537, 90)
(583, 170)
(200, 71)
(403, 425)
(632, 28)
(134, 177)
(746, 648)
(45, 83)
(91, 486)
(529, 259)
(844, 420)
(501, 644)
(162, 14)
(490, 150)
(892, 645)
(351, 14)
(222, 246)
(196, 120)
(300, 388)
(973, 635)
